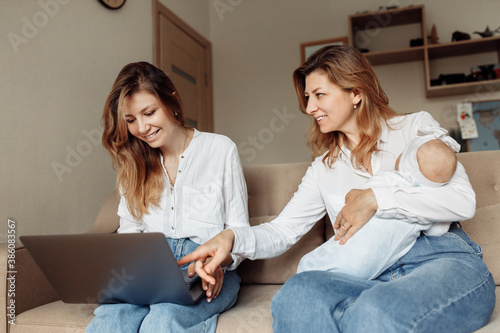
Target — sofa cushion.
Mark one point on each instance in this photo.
(271, 186)
(278, 270)
(54, 317)
(484, 228)
(252, 311)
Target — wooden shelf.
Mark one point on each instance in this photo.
(396, 56)
(478, 87)
(471, 46)
(386, 18)
(416, 14)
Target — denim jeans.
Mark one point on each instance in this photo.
(441, 285)
(168, 317)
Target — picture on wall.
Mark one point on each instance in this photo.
(487, 117)
(306, 49)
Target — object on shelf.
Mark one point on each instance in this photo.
(487, 32)
(483, 72)
(416, 42)
(496, 69)
(363, 50)
(444, 79)
(387, 8)
(458, 36)
(433, 37)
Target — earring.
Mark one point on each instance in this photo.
(176, 114)
(355, 105)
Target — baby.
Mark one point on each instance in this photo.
(426, 161)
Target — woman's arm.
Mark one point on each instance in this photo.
(271, 239)
(455, 201)
(451, 202)
(266, 240)
(235, 201)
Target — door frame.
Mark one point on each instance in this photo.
(160, 9)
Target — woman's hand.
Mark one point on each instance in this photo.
(360, 206)
(211, 290)
(218, 249)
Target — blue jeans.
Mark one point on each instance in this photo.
(168, 317)
(441, 285)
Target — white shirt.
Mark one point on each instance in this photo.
(209, 194)
(323, 190)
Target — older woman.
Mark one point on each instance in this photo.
(440, 285)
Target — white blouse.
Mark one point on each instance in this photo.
(323, 190)
(209, 194)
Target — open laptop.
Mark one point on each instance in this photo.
(136, 268)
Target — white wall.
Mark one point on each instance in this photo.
(256, 48)
(53, 88)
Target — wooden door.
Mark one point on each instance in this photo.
(185, 56)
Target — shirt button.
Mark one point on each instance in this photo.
(179, 171)
(173, 228)
(172, 208)
(182, 156)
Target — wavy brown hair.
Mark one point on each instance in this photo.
(139, 170)
(347, 68)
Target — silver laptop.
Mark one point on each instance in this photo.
(134, 268)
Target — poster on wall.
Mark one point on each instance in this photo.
(487, 117)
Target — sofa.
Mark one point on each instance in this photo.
(38, 308)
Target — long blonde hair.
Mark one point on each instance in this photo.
(140, 174)
(347, 68)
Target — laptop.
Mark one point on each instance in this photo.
(136, 268)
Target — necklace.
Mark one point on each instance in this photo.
(170, 180)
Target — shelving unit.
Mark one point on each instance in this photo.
(373, 23)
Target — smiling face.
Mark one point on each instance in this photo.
(147, 119)
(331, 106)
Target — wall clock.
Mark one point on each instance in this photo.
(113, 4)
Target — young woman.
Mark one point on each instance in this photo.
(175, 180)
(441, 285)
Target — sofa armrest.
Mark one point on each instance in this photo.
(107, 220)
(27, 285)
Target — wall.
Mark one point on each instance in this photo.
(58, 61)
(55, 76)
(256, 48)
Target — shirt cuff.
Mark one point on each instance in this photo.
(236, 262)
(244, 242)
(386, 201)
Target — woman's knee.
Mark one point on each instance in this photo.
(304, 288)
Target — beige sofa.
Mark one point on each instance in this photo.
(270, 187)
